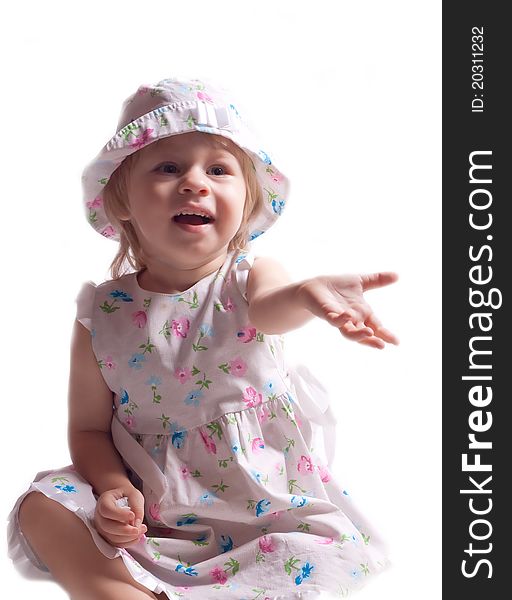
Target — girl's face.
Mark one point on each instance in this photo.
(187, 173)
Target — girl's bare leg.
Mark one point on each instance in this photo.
(64, 544)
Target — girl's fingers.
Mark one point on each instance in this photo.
(381, 331)
(341, 317)
(121, 529)
(373, 342)
(110, 510)
(377, 280)
(121, 540)
(355, 333)
(362, 326)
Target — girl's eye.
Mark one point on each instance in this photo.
(169, 168)
(217, 170)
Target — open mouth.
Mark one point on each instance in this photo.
(192, 219)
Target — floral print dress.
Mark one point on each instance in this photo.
(239, 498)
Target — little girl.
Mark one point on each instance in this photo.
(200, 465)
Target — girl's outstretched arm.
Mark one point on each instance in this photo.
(277, 306)
(92, 450)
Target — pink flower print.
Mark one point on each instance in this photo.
(218, 575)
(109, 362)
(203, 96)
(325, 541)
(266, 544)
(142, 140)
(185, 472)
(263, 414)
(325, 474)
(139, 319)
(108, 231)
(257, 445)
(305, 465)
(96, 203)
(209, 443)
(129, 422)
(276, 515)
(252, 397)
(228, 305)
(183, 374)
(154, 511)
(180, 327)
(246, 334)
(238, 367)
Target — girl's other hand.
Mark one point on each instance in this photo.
(339, 300)
(121, 526)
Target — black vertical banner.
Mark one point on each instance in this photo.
(477, 331)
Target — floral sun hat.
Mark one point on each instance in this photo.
(171, 107)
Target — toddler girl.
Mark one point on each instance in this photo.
(200, 460)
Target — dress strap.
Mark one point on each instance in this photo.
(243, 264)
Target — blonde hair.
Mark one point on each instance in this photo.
(116, 204)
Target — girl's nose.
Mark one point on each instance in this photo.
(194, 182)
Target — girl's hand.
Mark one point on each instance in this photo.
(339, 300)
(120, 526)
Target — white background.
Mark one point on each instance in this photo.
(348, 95)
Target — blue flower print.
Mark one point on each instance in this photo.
(186, 570)
(306, 572)
(298, 501)
(202, 538)
(121, 295)
(226, 543)
(264, 157)
(233, 108)
(355, 573)
(175, 426)
(178, 439)
(136, 361)
(192, 398)
(207, 498)
(188, 520)
(277, 206)
(205, 129)
(240, 258)
(93, 332)
(262, 507)
(206, 330)
(123, 397)
(269, 387)
(290, 398)
(256, 233)
(256, 475)
(154, 380)
(69, 489)
(235, 449)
